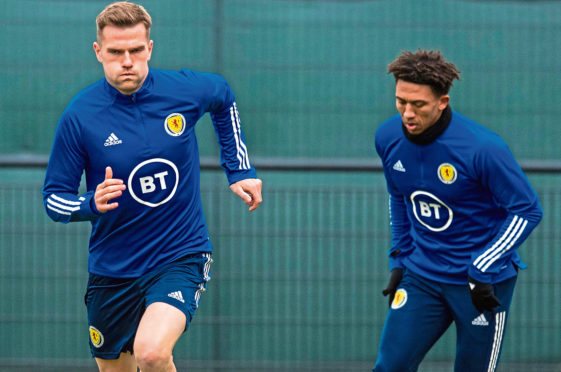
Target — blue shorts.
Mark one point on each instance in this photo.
(423, 310)
(116, 305)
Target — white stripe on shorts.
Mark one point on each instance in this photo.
(206, 271)
(206, 276)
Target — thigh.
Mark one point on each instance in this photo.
(415, 321)
(159, 329)
(172, 295)
(180, 284)
(114, 309)
(479, 335)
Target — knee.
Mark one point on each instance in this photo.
(152, 358)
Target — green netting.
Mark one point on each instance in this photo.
(295, 284)
(309, 75)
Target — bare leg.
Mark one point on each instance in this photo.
(158, 331)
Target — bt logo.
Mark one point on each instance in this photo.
(147, 183)
(430, 211)
(153, 182)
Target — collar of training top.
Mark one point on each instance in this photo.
(432, 132)
(120, 97)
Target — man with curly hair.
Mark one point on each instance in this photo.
(460, 206)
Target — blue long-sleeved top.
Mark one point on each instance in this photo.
(148, 139)
(459, 205)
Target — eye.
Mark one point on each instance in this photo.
(419, 104)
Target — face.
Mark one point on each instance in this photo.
(124, 54)
(418, 106)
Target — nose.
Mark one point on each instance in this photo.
(127, 60)
(409, 113)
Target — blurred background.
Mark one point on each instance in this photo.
(295, 285)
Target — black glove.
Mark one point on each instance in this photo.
(395, 278)
(482, 295)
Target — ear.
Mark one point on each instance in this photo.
(97, 50)
(443, 102)
(150, 46)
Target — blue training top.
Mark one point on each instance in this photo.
(459, 205)
(148, 139)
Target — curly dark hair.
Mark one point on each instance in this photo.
(425, 67)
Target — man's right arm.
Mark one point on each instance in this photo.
(64, 172)
(401, 242)
(400, 228)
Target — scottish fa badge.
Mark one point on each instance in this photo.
(174, 124)
(96, 337)
(399, 299)
(447, 173)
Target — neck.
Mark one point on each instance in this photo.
(432, 132)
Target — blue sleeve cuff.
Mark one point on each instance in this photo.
(479, 276)
(93, 208)
(236, 176)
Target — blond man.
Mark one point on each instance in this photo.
(132, 133)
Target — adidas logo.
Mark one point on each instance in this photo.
(480, 321)
(112, 140)
(398, 166)
(177, 295)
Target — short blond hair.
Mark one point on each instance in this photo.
(123, 14)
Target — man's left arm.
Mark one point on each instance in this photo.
(512, 191)
(234, 157)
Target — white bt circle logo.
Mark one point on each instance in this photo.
(430, 211)
(153, 182)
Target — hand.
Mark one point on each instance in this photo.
(482, 295)
(395, 279)
(110, 188)
(249, 190)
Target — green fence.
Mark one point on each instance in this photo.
(295, 285)
(310, 75)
